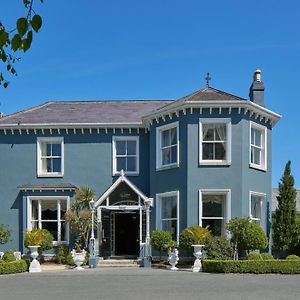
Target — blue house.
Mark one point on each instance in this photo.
(202, 159)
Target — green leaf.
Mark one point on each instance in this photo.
(25, 45)
(5, 84)
(3, 37)
(36, 22)
(22, 26)
(3, 57)
(16, 42)
(13, 71)
(8, 67)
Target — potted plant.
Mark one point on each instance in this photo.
(37, 241)
(173, 255)
(194, 236)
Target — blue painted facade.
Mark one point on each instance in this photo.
(88, 162)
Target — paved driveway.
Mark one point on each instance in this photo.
(140, 283)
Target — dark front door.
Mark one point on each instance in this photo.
(126, 234)
(105, 234)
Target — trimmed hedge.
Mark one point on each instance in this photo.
(13, 267)
(252, 266)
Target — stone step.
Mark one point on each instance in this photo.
(107, 263)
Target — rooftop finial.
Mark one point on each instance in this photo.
(207, 78)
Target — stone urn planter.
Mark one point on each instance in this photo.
(35, 266)
(173, 258)
(78, 258)
(198, 254)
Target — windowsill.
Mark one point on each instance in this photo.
(167, 167)
(257, 167)
(214, 163)
(127, 173)
(50, 175)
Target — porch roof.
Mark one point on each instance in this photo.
(121, 179)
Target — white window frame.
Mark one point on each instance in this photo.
(53, 198)
(227, 122)
(114, 154)
(226, 192)
(263, 165)
(262, 218)
(159, 130)
(158, 211)
(42, 140)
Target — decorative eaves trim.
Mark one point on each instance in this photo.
(246, 106)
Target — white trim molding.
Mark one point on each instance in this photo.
(114, 154)
(159, 130)
(227, 216)
(39, 220)
(45, 140)
(263, 217)
(262, 148)
(227, 122)
(158, 211)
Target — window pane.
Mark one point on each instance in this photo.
(207, 151)
(168, 207)
(256, 206)
(220, 132)
(121, 163)
(49, 165)
(34, 209)
(208, 132)
(173, 135)
(165, 138)
(131, 147)
(52, 227)
(257, 137)
(56, 165)
(170, 225)
(215, 226)
(49, 210)
(44, 149)
(213, 205)
(166, 156)
(63, 233)
(63, 209)
(220, 151)
(131, 164)
(49, 149)
(34, 225)
(255, 156)
(56, 149)
(121, 147)
(174, 154)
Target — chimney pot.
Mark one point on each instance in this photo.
(257, 75)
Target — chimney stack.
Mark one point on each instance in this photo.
(1, 115)
(257, 89)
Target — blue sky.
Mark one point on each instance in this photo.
(162, 50)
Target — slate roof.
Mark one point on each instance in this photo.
(275, 202)
(210, 94)
(55, 186)
(85, 112)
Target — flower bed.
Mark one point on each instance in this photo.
(252, 266)
(13, 267)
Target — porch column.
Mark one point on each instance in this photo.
(148, 249)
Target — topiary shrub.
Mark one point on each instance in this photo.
(254, 256)
(194, 235)
(62, 252)
(218, 247)
(39, 237)
(246, 235)
(292, 257)
(267, 256)
(12, 267)
(160, 240)
(8, 256)
(4, 234)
